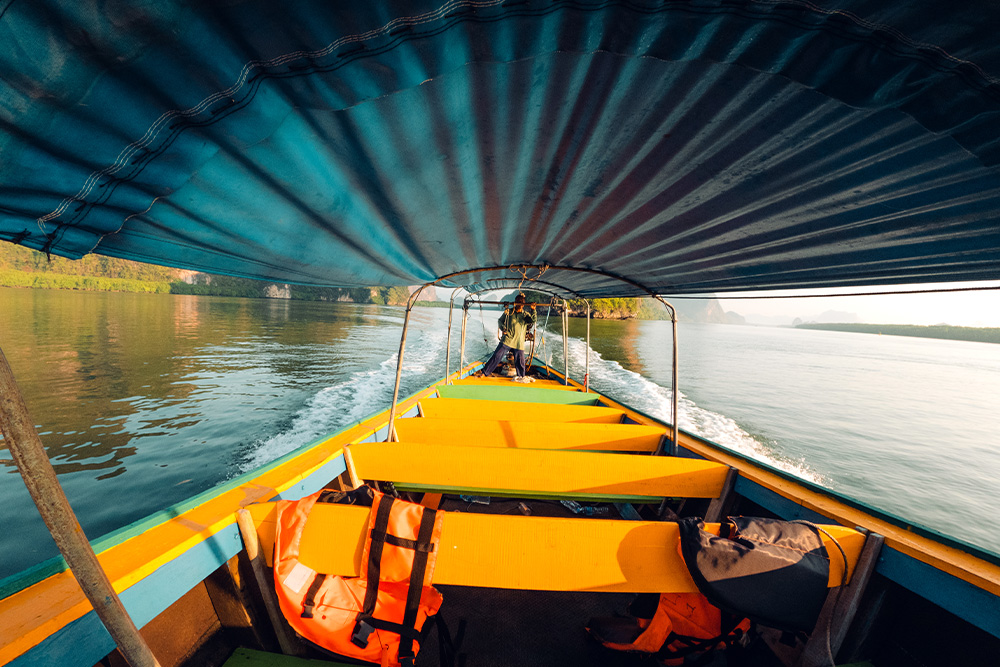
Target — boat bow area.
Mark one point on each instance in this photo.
(520, 447)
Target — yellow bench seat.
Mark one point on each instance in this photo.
(534, 473)
(503, 381)
(526, 552)
(530, 435)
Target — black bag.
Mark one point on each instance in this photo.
(771, 571)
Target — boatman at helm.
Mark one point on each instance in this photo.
(514, 324)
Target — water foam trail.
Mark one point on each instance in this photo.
(345, 403)
(641, 393)
(368, 391)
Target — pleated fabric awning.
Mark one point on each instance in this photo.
(687, 146)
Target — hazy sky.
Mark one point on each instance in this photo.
(970, 309)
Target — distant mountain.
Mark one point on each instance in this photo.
(732, 317)
(827, 317)
(704, 311)
(429, 293)
(769, 320)
(832, 317)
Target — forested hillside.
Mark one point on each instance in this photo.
(976, 334)
(707, 310)
(23, 267)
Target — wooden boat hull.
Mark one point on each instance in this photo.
(173, 562)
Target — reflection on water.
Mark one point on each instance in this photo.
(618, 341)
(890, 421)
(90, 363)
(150, 399)
(146, 400)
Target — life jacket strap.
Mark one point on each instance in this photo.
(421, 547)
(374, 569)
(309, 603)
(403, 543)
(731, 634)
(424, 547)
(365, 625)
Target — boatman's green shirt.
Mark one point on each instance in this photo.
(514, 326)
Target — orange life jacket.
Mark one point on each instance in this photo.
(376, 617)
(684, 625)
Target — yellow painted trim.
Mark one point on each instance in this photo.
(955, 562)
(553, 472)
(30, 616)
(528, 553)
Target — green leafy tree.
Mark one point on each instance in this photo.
(397, 296)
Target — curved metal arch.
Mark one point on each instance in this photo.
(542, 268)
(535, 281)
(469, 300)
(465, 307)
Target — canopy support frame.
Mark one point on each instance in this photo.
(447, 354)
(564, 317)
(670, 309)
(465, 322)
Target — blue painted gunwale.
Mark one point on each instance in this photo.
(83, 642)
(953, 594)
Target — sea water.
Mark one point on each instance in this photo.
(146, 400)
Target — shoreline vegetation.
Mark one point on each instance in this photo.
(227, 286)
(941, 331)
(26, 268)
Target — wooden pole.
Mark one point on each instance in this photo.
(265, 585)
(40, 478)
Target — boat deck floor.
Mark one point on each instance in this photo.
(531, 628)
(505, 628)
(499, 627)
(246, 657)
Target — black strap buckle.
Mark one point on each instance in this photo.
(362, 631)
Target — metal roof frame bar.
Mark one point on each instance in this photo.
(563, 318)
(541, 268)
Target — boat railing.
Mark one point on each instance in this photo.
(534, 284)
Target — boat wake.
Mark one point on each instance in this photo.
(368, 391)
(619, 383)
(362, 394)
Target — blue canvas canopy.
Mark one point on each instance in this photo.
(687, 146)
